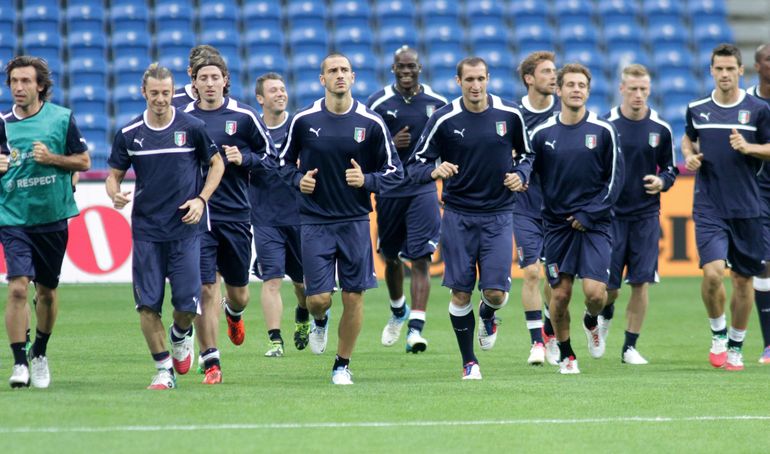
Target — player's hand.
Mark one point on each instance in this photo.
(233, 154)
(402, 139)
(513, 182)
(4, 163)
(693, 162)
(41, 154)
(576, 224)
(121, 199)
(307, 183)
(653, 184)
(355, 176)
(738, 142)
(194, 209)
(445, 170)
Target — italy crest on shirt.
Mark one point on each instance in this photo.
(744, 116)
(359, 134)
(501, 127)
(654, 139)
(231, 127)
(180, 138)
(590, 141)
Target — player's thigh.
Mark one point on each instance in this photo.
(746, 252)
(460, 240)
(391, 225)
(183, 264)
(529, 235)
(234, 253)
(711, 238)
(355, 263)
(149, 274)
(318, 258)
(643, 247)
(423, 226)
(496, 252)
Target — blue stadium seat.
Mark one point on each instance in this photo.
(534, 35)
(306, 14)
(41, 18)
(306, 66)
(226, 40)
(353, 39)
(500, 85)
(499, 60)
(88, 71)
(308, 40)
(177, 63)
(578, 33)
(43, 44)
(5, 96)
(392, 37)
(86, 99)
(261, 63)
(307, 91)
(438, 12)
(131, 44)
(707, 33)
(364, 86)
(614, 10)
(218, 15)
(481, 36)
(655, 10)
(447, 87)
(8, 42)
(264, 40)
(127, 102)
(667, 32)
(85, 18)
(483, 8)
(92, 122)
(133, 17)
(393, 12)
(350, 13)
(676, 81)
(587, 56)
(174, 41)
(87, 44)
(699, 10)
(6, 54)
(528, 11)
(128, 70)
(624, 55)
(236, 89)
(443, 38)
(363, 61)
(259, 14)
(7, 19)
(574, 11)
(623, 31)
(672, 58)
(703, 59)
(174, 15)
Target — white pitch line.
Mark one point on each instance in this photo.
(375, 424)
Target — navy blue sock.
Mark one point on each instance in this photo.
(547, 326)
(340, 362)
(535, 334)
(301, 315)
(734, 343)
(416, 324)
(565, 350)
(590, 321)
(464, 327)
(763, 310)
(274, 335)
(41, 343)
(608, 312)
(399, 312)
(162, 356)
(184, 332)
(19, 353)
(322, 323)
(630, 340)
(485, 311)
(721, 332)
(210, 362)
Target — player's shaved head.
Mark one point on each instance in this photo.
(403, 51)
(334, 55)
(762, 51)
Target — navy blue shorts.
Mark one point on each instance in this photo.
(738, 241)
(177, 260)
(580, 254)
(469, 243)
(766, 227)
(528, 232)
(344, 247)
(635, 248)
(408, 227)
(279, 252)
(36, 255)
(226, 248)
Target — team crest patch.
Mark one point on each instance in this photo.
(180, 138)
(654, 139)
(590, 141)
(359, 134)
(501, 127)
(553, 270)
(231, 127)
(429, 109)
(15, 158)
(744, 116)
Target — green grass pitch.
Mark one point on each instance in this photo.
(400, 403)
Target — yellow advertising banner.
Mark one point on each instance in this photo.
(678, 255)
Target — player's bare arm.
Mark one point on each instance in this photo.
(445, 170)
(74, 162)
(196, 205)
(692, 157)
(739, 144)
(118, 197)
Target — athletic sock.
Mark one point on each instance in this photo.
(275, 335)
(735, 338)
(41, 343)
(340, 362)
(464, 323)
(301, 315)
(321, 323)
(163, 361)
(233, 314)
(547, 326)
(763, 310)
(178, 334)
(719, 325)
(565, 350)
(590, 321)
(630, 341)
(608, 312)
(19, 353)
(398, 307)
(28, 339)
(210, 358)
(534, 325)
(486, 312)
(416, 320)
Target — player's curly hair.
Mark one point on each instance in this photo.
(42, 73)
(529, 64)
(572, 68)
(201, 51)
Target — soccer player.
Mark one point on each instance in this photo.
(649, 159)
(226, 247)
(762, 282)
(730, 132)
(345, 152)
(185, 94)
(167, 149)
(578, 161)
(276, 224)
(475, 137)
(538, 73)
(40, 148)
(408, 218)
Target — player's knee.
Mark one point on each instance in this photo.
(421, 266)
(460, 309)
(460, 298)
(531, 274)
(318, 304)
(493, 298)
(612, 295)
